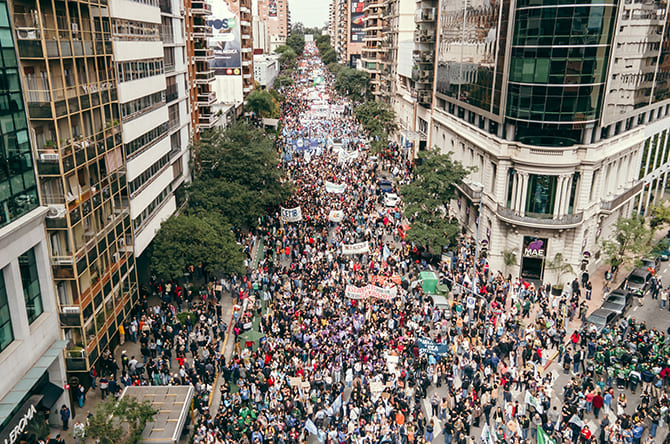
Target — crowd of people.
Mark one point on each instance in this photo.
(351, 348)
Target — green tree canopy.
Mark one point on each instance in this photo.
(335, 67)
(288, 57)
(321, 39)
(329, 56)
(197, 238)
(379, 120)
(236, 203)
(119, 422)
(352, 83)
(630, 241)
(427, 199)
(261, 103)
(297, 42)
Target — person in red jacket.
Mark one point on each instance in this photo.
(597, 404)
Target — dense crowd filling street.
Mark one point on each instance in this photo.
(353, 350)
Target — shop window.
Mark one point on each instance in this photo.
(31, 285)
(541, 194)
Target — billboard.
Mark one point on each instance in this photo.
(226, 41)
(272, 8)
(357, 14)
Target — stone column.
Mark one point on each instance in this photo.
(559, 196)
(515, 185)
(523, 193)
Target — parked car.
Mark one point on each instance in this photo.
(391, 200)
(662, 250)
(637, 281)
(385, 186)
(619, 297)
(616, 308)
(601, 318)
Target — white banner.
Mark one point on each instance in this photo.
(358, 248)
(291, 214)
(336, 216)
(344, 156)
(370, 291)
(534, 402)
(354, 292)
(335, 188)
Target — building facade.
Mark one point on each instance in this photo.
(564, 112)
(375, 54)
(276, 16)
(347, 28)
(31, 352)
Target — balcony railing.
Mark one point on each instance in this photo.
(621, 198)
(539, 219)
(201, 8)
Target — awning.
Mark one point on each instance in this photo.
(51, 394)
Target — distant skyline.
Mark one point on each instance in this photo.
(310, 13)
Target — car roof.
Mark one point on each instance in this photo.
(639, 272)
(609, 306)
(618, 292)
(601, 313)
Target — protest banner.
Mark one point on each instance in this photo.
(295, 382)
(542, 437)
(357, 248)
(336, 216)
(291, 214)
(428, 347)
(335, 188)
(354, 292)
(383, 293)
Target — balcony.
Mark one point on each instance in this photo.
(616, 202)
(421, 75)
(201, 8)
(537, 220)
(425, 15)
(204, 78)
(468, 190)
(202, 31)
(206, 121)
(423, 57)
(424, 97)
(424, 36)
(203, 55)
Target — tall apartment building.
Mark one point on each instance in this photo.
(154, 107)
(31, 352)
(375, 54)
(107, 87)
(563, 109)
(347, 27)
(277, 18)
(66, 62)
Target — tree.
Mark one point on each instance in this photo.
(237, 204)
(297, 42)
(288, 57)
(660, 215)
(630, 241)
(335, 67)
(352, 83)
(561, 267)
(298, 28)
(197, 238)
(321, 39)
(427, 199)
(377, 118)
(261, 103)
(329, 56)
(119, 422)
(509, 259)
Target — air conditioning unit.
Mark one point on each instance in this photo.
(71, 309)
(56, 211)
(63, 260)
(27, 33)
(49, 156)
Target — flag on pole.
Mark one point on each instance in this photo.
(337, 404)
(542, 437)
(311, 427)
(487, 438)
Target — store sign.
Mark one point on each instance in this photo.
(17, 431)
(534, 246)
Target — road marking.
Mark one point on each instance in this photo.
(635, 308)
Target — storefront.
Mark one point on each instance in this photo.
(34, 399)
(534, 251)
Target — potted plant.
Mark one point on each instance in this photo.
(50, 144)
(561, 267)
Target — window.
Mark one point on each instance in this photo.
(31, 285)
(6, 332)
(541, 194)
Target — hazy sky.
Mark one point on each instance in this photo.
(310, 12)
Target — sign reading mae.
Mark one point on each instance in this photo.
(534, 246)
